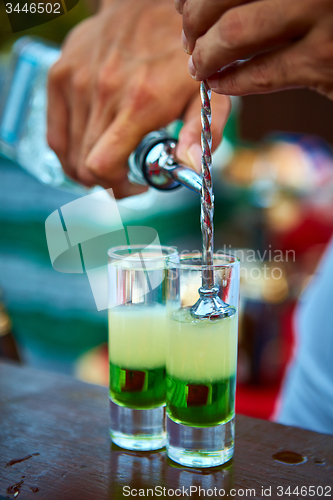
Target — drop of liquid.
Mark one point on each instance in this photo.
(17, 460)
(15, 489)
(320, 462)
(290, 458)
(34, 489)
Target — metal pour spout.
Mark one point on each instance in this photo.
(153, 162)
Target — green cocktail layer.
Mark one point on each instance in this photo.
(200, 405)
(139, 389)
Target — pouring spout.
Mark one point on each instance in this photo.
(154, 163)
(185, 176)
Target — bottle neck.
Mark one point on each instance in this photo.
(4, 63)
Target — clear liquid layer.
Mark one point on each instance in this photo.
(138, 389)
(201, 405)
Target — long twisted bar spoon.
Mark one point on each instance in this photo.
(207, 196)
(209, 304)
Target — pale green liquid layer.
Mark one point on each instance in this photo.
(137, 336)
(199, 350)
(201, 405)
(138, 389)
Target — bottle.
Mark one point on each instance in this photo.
(23, 103)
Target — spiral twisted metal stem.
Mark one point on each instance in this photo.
(207, 197)
(209, 305)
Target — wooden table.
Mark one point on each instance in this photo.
(55, 445)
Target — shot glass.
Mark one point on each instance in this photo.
(137, 344)
(201, 365)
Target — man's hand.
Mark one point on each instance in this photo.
(247, 47)
(122, 74)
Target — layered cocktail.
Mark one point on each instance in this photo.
(137, 345)
(201, 366)
(202, 369)
(137, 341)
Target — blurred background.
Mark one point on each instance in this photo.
(274, 207)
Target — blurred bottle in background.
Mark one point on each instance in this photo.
(23, 104)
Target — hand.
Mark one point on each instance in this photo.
(260, 46)
(122, 74)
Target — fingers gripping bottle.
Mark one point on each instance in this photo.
(23, 108)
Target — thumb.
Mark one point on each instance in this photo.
(188, 149)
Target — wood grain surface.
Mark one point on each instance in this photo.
(55, 445)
